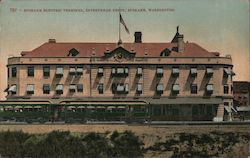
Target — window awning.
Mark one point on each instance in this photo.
(232, 73)
(113, 70)
(209, 87)
(100, 70)
(193, 71)
(227, 71)
(227, 108)
(126, 87)
(59, 71)
(159, 70)
(126, 70)
(30, 88)
(72, 70)
(139, 70)
(176, 87)
(234, 109)
(79, 70)
(209, 71)
(139, 87)
(159, 87)
(120, 88)
(59, 87)
(72, 87)
(175, 71)
(12, 88)
(120, 70)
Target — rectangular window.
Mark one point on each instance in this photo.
(8, 72)
(72, 71)
(175, 71)
(139, 71)
(139, 88)
(100, 71)
(193, 71)
(13, 71)
(209, 71)
(79, 87)
(46, 89)
(30, 89)
(30, 71)
(113, 71)
(59, 89)
(226, 89)
(59, 72)
(193, 88)
(159, 88)
(46, 71)
(126, 88)
(72, 88)
(79, 70)
(126, 70)
(176, 88)
(159, 71)
(209, 88)
(226, 72)
(120, 70)
(100, 88)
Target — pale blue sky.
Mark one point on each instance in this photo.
(216, 25)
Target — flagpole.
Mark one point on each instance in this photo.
(119, 25)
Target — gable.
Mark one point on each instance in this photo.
(120, 52)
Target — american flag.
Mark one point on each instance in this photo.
(123, 23)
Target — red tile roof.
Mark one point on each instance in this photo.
(86, 49)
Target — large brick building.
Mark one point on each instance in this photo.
(242, 98)
(168, 81)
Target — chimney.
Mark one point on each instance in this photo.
(52, 40)
(180, 43)
(138, 37)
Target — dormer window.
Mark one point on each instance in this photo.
(166, 52)
(73, 52)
